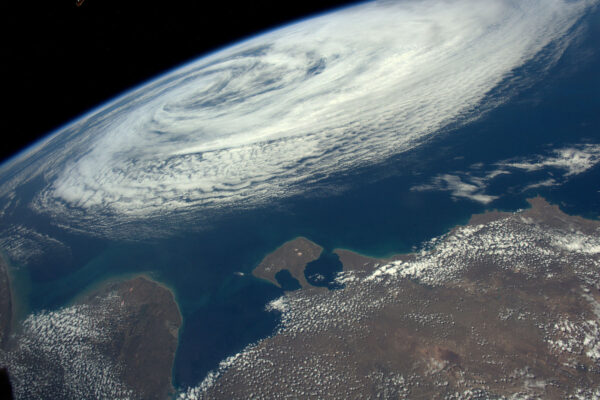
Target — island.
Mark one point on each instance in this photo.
(506, 306)
(291, 256)
(118, 341)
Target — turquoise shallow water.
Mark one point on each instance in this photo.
(377, 214)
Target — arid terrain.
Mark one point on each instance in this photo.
(120, 339)
(292, 256)
(5, 303)
(507, 306)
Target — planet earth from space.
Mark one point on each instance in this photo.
(396, 199)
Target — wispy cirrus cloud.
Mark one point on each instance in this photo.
(561, 164)
(570, 160)
(458, 188)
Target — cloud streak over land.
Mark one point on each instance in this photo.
(261, 119)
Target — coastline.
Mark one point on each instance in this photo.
(142, 291)
(521, 278)
(6, 302)
(19, 289)
(115, 280)
(96, 286)
(353, 260)
(292, 256)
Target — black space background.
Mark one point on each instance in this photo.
(63, 60)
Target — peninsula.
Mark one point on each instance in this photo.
(506, 306)
(117, 342)
(291, 256)
(5, 303)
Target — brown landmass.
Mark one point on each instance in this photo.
(118, 341)
(352, 261)
(505, 307)
(292, 256)
(145, 340)
(5, 303)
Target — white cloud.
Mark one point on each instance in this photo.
(573, 160)
(519, 244)
(457, 188)
(545, 183)
(68, 339)
(327, 94)
(23, 244)
(578, 243)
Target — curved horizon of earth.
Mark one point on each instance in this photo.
(373, 128)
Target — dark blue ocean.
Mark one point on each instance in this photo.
(378, 214)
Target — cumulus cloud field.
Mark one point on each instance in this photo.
(265, 117)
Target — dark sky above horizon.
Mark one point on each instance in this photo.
(63, 60)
